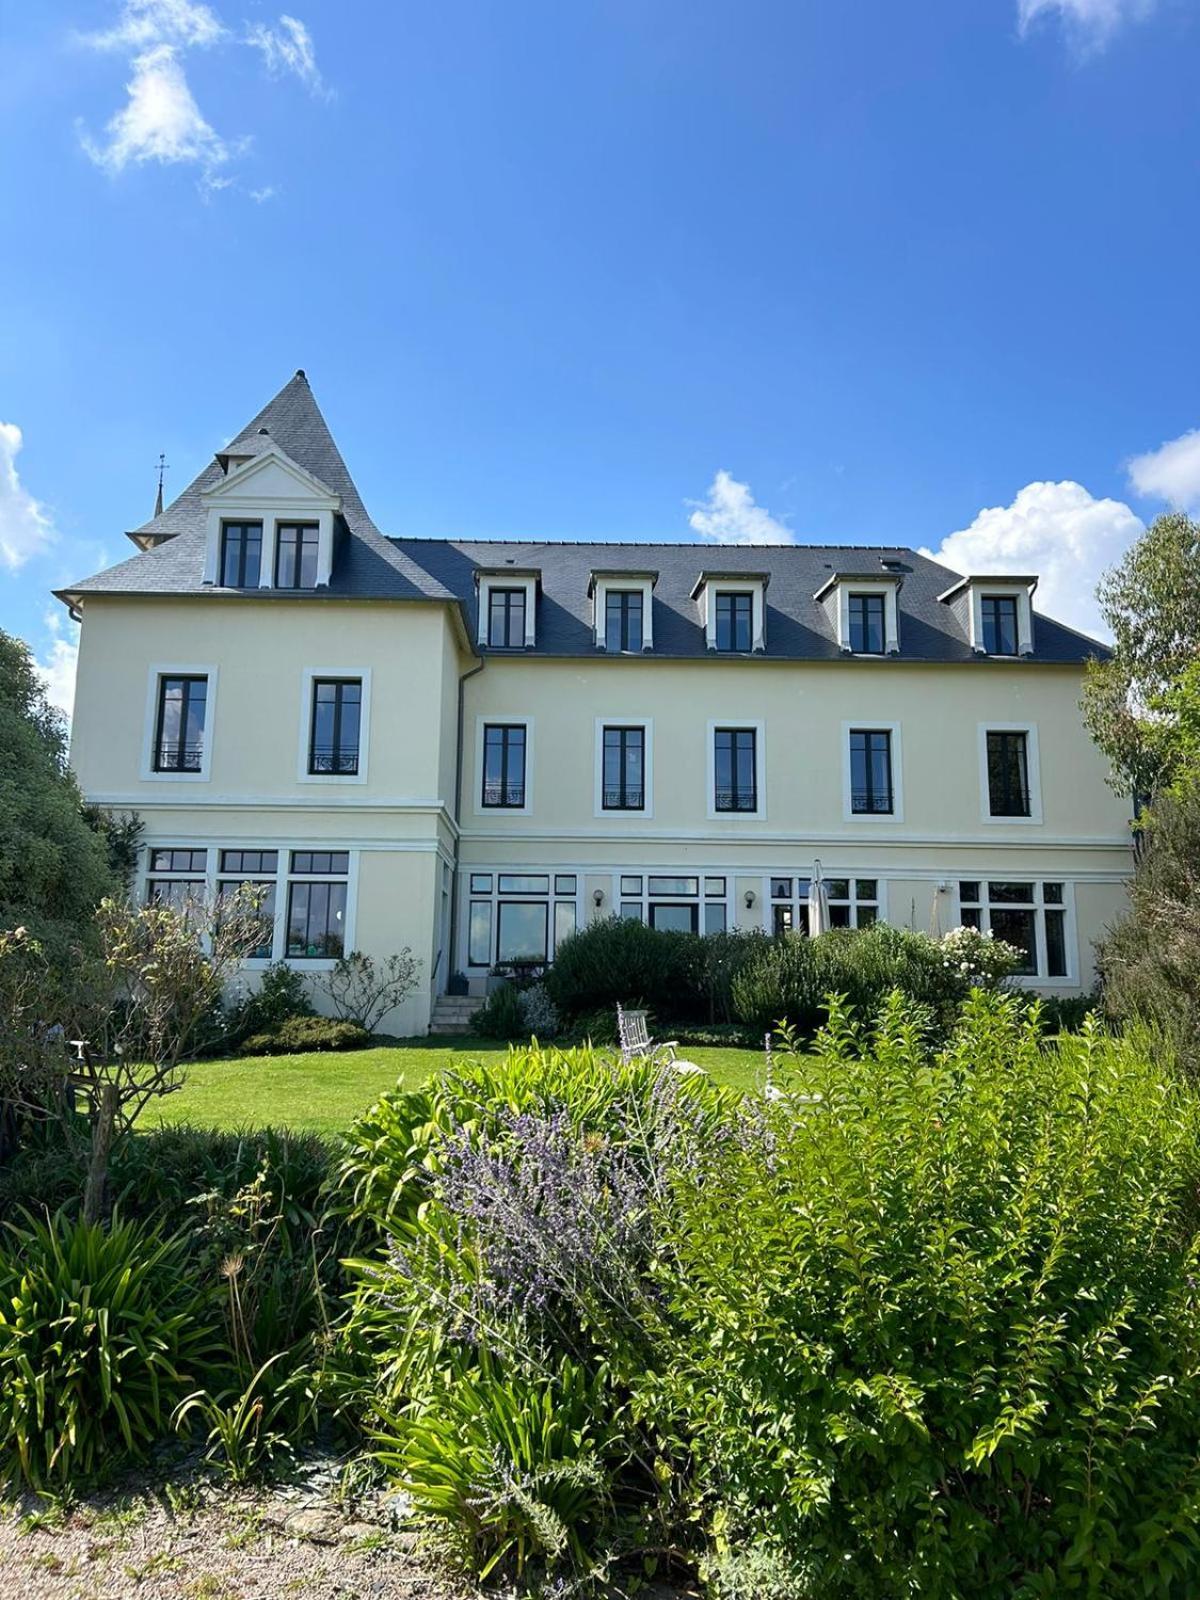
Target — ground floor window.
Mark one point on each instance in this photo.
(519, 918)
(316, 919)
(679, 904)
(853, 903)
(1030, 915)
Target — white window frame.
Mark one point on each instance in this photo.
(615, 583)
(235, 499)
(796, 901)
(283, 901)
(1032, 761)
(494, 899)
(308, 676)
(891, 615)
(1024, 617)
(646, 724)
(1038, 906)
(896, 814)
(158, 671)
(507, 580)
(490, 720)
(760, 769)
(710, 588)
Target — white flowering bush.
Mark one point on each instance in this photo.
(977, 959)
(538, 1012)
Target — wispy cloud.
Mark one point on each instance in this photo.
(1171, 473)
(25, 525)
(1090, 23)
(288, 47)
(1057, 530)
(161, 121)
(731, 515)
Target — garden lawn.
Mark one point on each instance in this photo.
(323, 1091)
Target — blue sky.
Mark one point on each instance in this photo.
(861, 271)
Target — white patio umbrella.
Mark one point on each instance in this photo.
(818, 903)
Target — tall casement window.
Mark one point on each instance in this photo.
(519, 918)
(853, 903)
(624, 778)
(241, 555)
(1008, 773)
(334, 733)
(735, 766)
(296, 555)
(506, 619)
(871, 772)
(316, 920)
(504, 764)
(866, 618)
(252, 871)
(999, 612)
(623, 619)
(177, 879)
(735, 621)
(1031, 916)
(179, 724)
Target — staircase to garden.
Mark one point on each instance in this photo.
(452, 1013)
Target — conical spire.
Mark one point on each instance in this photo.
(158, 500)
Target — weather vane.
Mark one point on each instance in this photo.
(162, 467)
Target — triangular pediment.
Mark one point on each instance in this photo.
(271, 475)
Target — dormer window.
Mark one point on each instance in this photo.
(296, 547)
(867, 624)
(995, 614)
(863, 611)
(623, 620)
(622, 611)
(506, 619)
(733, 610)
(735, 621)
(507, 609)
(999, 615)
(241, 555)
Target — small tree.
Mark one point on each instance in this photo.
(93, 1053)
(362, 990)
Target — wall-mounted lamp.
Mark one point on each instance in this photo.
(597, 897)
(749, 898)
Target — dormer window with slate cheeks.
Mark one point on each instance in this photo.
(622, 611)
(507, 609)
(270, 521)
(863, 611)
(733, 611)
(995, 614)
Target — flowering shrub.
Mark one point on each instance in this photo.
(978, 960)
(924, 1324)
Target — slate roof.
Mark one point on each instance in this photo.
(369, 566)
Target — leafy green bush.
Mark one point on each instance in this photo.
(282, 993)
(789, 980)
(500, 1016)
(937, 1320)
(620, 959)
(101, 1333)
(297, 1035)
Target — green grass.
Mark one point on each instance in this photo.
(324, 1091)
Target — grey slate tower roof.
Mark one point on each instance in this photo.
(369, 566)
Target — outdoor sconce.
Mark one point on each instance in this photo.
(749, 898)
(597, 897)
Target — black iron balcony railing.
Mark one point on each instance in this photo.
(737, 799)
(179, 757)
(1009, 800)
(871, 802)
(341, 763)
(626, 799)
(504, 794)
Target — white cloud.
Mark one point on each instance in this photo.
(1171, 473)
(288, 48)
(161, 122)
(731, 515)
(25, 525)
(143, 23)
(1056, 530)
(267, 192)
(57, 666)
(1091, 22)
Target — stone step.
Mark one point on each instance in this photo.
(452, 1013)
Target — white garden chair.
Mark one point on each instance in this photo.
(636, 1044)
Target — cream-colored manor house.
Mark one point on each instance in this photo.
(472, 748)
